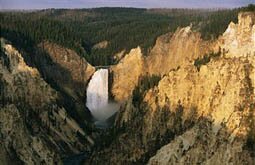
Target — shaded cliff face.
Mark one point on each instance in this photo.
(34, 127)
(199, 115)
(66, 72)
(77, 70)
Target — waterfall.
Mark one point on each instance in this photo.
(97, 96)
(97, 92)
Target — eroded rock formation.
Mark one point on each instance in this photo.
(126, 74)
(239, 39)
(174, 50)
(34, 126)
(170, 52)
(70, 71)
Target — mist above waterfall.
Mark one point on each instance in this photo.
(97, 96)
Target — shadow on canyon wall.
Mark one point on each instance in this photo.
(55, 75)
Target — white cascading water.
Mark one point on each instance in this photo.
(97, 96)
(97, 92)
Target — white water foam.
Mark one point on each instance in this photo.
(97, 96)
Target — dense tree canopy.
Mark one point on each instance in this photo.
(123, 28)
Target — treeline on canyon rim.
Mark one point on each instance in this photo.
(122, 28)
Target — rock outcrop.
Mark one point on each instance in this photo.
(34, 126)
(126, 74)
(170, 52)
(174, 50)
(239, 39)
(230, 105)
(101, 45)
(70, 71)
(66, 72)
(222, 92)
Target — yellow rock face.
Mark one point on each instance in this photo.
(223, 92)
(217, 90)
(218, 98)
(126, 74)
(183, 47)
(171, 51)
(239, 39)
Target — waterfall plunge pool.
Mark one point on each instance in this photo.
(101, 108)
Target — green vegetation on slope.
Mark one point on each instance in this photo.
(205, 59)
(145, 83)
(123, 28)
(249, 8)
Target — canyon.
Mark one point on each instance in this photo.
(200, 113)
(199, 110)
